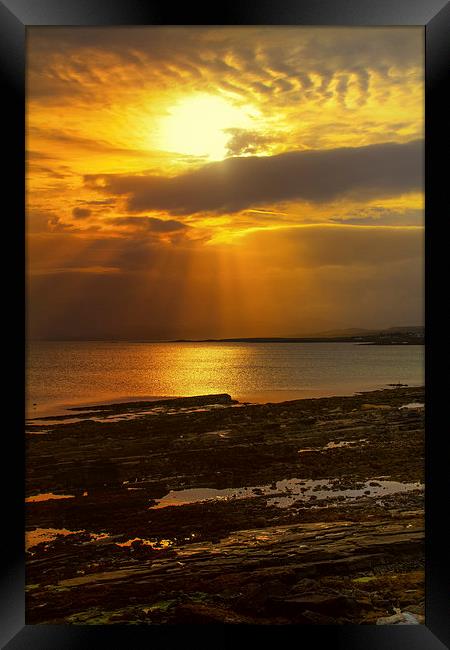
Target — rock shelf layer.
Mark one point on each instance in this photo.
(321, 558)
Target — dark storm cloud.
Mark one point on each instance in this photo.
(99, 202)
(81, 213)
(149, 223)
(234, 184)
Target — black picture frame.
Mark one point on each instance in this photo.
(15, 17)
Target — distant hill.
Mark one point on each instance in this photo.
(350, 331)
(402, 335)
(357, 331)
(419, 329)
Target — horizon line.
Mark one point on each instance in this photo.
(321, 335)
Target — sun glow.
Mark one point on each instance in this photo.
(198, 126)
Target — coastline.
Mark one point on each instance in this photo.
(61, 376)
(269, 396)
(297, 511)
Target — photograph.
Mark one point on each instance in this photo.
(225, 325)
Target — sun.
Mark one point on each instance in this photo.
(197, 126)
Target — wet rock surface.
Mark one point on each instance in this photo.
(348, 550)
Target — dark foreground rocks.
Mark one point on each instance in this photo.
(348, 550)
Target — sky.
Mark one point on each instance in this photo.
(206, 182)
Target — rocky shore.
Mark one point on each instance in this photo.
(204, 510)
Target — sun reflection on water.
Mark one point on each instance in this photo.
(63, 374)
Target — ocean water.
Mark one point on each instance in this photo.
(61, 374)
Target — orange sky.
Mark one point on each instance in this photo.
(207, 182)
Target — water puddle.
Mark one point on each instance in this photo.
(116, 417)
(344, 443)
(158, 544)
(283, 494)
(98, 537)
(47, 535)
(47, 496)
(39, 535)
(413, 405)
(319, 490)
(222, 433)
(335, 445)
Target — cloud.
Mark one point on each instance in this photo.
(260, 60)
(100, 202)
(231, 185)
(383, 217)
(39, 221)
(81, 213)
(244, 141)
(311, 247)
(48, 171)
(68, 138)
(38, 155)
(150, 223)
(280, 282)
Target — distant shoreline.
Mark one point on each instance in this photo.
(356, 340)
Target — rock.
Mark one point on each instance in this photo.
(318, 619)
(415, 609)
(235, 552)
(254, 596)
(303, 585)
(327, 604)
(194, 613)
(259, 522)
(401, 618)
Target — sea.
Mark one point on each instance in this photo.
(63, 374)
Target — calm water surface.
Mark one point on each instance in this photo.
(60, 374)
